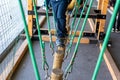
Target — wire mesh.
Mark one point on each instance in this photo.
(10, 22)
(11, 26)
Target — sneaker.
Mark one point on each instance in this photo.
(117, 31)
(61, 41)
(113, 30)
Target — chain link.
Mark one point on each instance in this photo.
(47, 76)
(52, 48)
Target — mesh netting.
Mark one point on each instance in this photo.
(11, 25)
(10, 22)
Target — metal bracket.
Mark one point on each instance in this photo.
(93, 16)
(97, 26)
(88, 34)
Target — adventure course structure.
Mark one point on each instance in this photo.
(33, 30)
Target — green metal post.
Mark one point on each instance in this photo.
(29, 43)
(106, 40)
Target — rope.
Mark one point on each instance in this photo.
(49, 29)
(76, 8)
(45, 65)
(79, 38)
(68, 50)
(29, 42)
(73, 22)
(99, 61)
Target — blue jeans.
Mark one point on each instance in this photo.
(59, 8)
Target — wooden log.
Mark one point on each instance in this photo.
(56, 74)
(58, 59)
(61, 48)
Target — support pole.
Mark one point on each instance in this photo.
(103, 8)
(30, 18)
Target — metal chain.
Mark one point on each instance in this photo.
(52, 48)
(47, 76)
(68, 50)
(45, 65)
(79, 38)
(74, 11)
(70, 67)
(68, 72)
(49, 29)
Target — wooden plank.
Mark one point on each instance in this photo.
(11, 67)
(53, 31)
(83, 40)
(42, 20)
(114, 71)
(5, 52)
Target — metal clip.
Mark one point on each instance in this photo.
(67, 52)
(52, 49)
(47, 77)
(66, 76)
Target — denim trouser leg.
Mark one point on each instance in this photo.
(59, 9)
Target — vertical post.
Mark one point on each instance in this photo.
(102, 5)
(34, 15)
(30, 18)
(97, 22)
